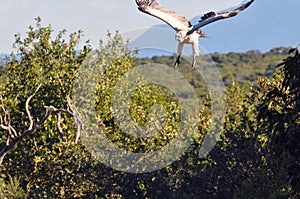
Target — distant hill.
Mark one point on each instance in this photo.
(243, 68)
(3, 59)
(3, 55)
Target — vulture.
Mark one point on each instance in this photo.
(186, 33)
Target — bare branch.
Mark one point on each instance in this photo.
(5, 125)
(27, 106)
(17, 140)
(79, 126)
(77, 119)
(5, 121)
(13, 130)
(12, 137)
(7, 140)
(58, 126)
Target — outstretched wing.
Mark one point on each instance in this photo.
(151, 7)
(212, 16)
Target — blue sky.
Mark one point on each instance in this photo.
(266, 24)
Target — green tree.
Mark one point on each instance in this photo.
(45, 159)
(279, 112)
(36, 118)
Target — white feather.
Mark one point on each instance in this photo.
(186, 33)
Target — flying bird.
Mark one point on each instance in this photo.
(186, 33)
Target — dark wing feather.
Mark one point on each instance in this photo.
(213, 16)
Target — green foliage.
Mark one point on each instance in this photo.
(257, 155)
(139, 105)
(243, 160)
(279, 112)
(13, 189)
(239, 67)
(53, 63)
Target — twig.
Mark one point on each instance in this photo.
(12, 137)
(58, 126)
(27, 106)
(77, 119)
(17, 140)
(5, 121)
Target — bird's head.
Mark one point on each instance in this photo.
(201, 33)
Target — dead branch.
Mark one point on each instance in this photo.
(27, 106)
(18, 139)
(5, 122)
(77, 119)
(58, 124)
(13, 138)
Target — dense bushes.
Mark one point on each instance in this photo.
(257, 155)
